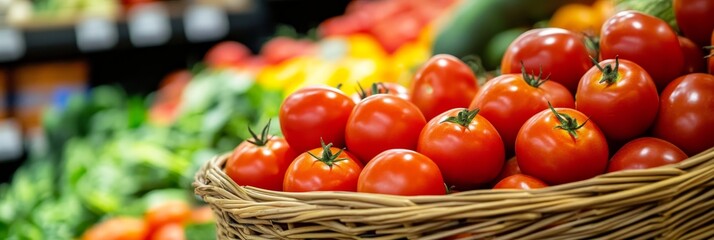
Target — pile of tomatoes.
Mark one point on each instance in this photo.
(555, 115)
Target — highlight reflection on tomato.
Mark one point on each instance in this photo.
(520, 181)
(646, 152)
(401, 172)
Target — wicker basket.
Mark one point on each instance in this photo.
(671, 202)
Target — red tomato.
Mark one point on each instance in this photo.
(510, 168)
(646, 152)
(620, 97)
(172, 231)
(444, 82)
(710, 57)
(561, 148)
(509, 100)
(685, 113)
(323, 169)
(382, 87)
(343, 25)
(459, 138)
(382, 122)
(260, 161)
(693, 58)
(120, 228)
(227, 54)
(312, 113)
(396, 30)
(401, 172)
(166, 213)
(560, 53)
(520, 181)
(695, 19)
(280, 49)
(645, 40)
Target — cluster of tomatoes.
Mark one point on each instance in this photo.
(556, 113)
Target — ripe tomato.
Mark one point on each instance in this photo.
(693, 58)
(645, 40)
(695, 19)
(227, 54)
(323, 169)
(401, 172)
(120, 228)
(171, 231)
(312, 113)
(561, 146)
(559, 53)
(280, 49)
(646, 152)
(685, 113)
(382, 122)
(382, 87)
(710, 57)
(509, 100)
(620, 97)
(260, 161)
(510, 168)
(444, 82)
(168, 212)
(459, 138)
(396, 30)
(520, 181)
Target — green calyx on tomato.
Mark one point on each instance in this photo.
(476, 64)
(567, 122)
(377, 88)
(261, 140)
(463, 118)
(328, 158)
(532, 79)
(609, 74)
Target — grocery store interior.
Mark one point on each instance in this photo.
(109, 108)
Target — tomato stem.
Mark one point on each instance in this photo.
(377, 88)
(261, 140)
(463, 118)
(475, 64)
(592, 42)
(327, 157)
(567, 122)
(609, 74)
(532, 79)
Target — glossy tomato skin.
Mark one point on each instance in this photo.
(623, 109)
(385, 87)
(645, 40)
(554, 156)
(381, 122)
(467, 156)
(307, 174)
(510, 168)
(508, 101)
(695, 19)
(444, 82)
(646, 152)
(562, 55)
(312, 113)
(685, 116)
(401, 172)
(260, 166)
(693, 58)
(520, 181)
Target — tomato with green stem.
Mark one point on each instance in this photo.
(509, 100)
(643, 153)
(685, 113)
(559, 53)
(323, 169)
(381, 122)
(314, 113)
(401, 172)
(444, 82)
(646, 40)
(620, 97)
(520, 181)
(381, 88)
(561, 146)
(466, 147)
(260, 161)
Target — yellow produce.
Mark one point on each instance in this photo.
(578, 18)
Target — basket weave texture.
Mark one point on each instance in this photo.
(670, 202)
